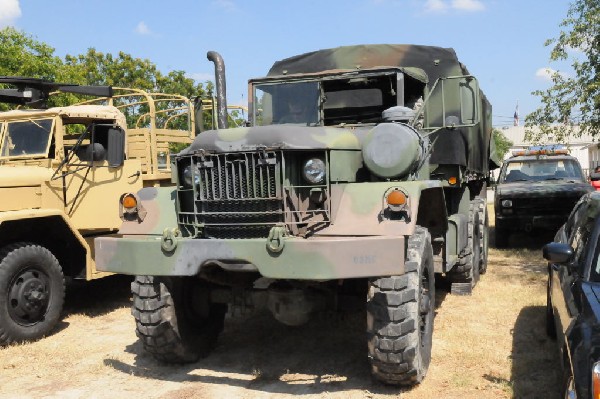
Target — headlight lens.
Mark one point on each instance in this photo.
(507, 203)
(314, 171)
(187, 176)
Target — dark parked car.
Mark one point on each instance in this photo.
(537, 190)
(573, 305)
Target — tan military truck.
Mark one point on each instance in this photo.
(58, 168)
(362, 176)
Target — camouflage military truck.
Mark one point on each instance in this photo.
(361, 175)
(58, 167)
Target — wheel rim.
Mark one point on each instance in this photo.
(424, 306)
(28, 296)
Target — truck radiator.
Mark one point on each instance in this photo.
(235, 195)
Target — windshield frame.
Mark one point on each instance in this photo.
(321, 79)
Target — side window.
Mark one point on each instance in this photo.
(580, 238)
(572, 219)
(579, 229)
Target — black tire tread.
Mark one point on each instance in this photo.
(6, 336)
(162, 328)
(393, 329)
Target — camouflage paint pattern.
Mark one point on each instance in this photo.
(360, 239)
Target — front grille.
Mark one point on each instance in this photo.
(544, 206)
(235, 195)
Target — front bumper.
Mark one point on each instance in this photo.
(317, 258)
(530, 222)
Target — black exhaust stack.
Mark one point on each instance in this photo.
(221, 90)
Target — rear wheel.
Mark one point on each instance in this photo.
(174, 317)
(484, 230)
(466, 275)
(400, 312)
(32, 292)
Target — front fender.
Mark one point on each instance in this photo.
(359, 209)
(159, 212)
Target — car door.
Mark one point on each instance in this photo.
(578, 232)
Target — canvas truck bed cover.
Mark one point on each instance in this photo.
(479, 153)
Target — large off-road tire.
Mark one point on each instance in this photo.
(550, 326)
(400, 312)
(32, 292)
(465, 276)
(175, 320)
(484, 230)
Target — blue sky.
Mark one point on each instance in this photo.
(500, 41)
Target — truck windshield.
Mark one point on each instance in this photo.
(26, 138)
(540, 170)
(287, 103)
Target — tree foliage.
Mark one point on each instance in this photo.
(23, 55)
(502, 142)
(572, 100)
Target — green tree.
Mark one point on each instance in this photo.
(572, 100)
(502, 143)
(23, 55)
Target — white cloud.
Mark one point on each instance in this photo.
(545, 74)
(435, 6)
(468, 5)
(10, 10)
(457, 5)
(227, 5)
(142, 28)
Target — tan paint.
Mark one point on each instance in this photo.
(30, 188)
(15, 198)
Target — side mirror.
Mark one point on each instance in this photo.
(116, 147)
(558, 252)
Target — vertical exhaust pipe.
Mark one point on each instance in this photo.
(221, 90)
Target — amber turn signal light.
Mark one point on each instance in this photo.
(452, 180)
(129, 201)
(396, 197)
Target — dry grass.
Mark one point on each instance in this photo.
(490, 345)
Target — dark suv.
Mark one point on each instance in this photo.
(537, 189)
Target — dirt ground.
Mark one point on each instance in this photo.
(489, 345)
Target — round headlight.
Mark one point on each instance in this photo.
(187, 176)
(506, 203)
(314, 171)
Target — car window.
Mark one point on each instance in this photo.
(580, 238)
(571, 221)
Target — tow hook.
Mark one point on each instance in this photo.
(275, 242)
(169, 239)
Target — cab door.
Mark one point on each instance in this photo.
(97, 176)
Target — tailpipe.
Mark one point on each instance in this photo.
(221, 90)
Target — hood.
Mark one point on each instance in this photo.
(279, 137)
(548, 188)
(24, 176)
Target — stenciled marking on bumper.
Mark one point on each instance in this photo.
(308, 259)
